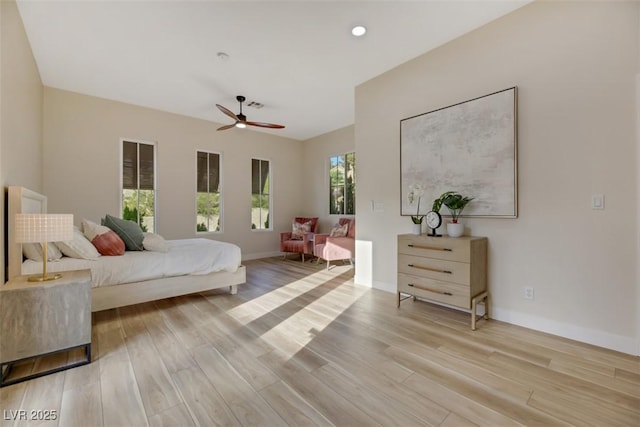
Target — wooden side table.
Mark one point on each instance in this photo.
(42, 318)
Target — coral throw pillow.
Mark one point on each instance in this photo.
(106, 241)
(298, 230)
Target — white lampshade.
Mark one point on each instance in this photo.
(40, 228)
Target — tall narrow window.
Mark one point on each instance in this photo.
(260, 194)
(342, 184)
(138, 183)
(208, 192)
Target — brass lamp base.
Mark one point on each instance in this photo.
(44, 278)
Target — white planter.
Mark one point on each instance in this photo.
(455, 230)
(417, 229)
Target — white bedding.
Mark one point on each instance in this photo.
(184, 257)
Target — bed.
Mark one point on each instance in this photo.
(110, 287)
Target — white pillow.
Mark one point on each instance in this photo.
(33, 251)
(79, 247)
(154, 242)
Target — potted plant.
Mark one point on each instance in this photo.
(456, 203)
(437, 203)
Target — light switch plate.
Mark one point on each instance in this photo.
(377, 206)
(597, 202)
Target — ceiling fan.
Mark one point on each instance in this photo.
(241, 119)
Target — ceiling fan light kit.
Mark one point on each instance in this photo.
(241, 120)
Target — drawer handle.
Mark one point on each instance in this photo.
(431, 248)
(437, 270)
(436, 291)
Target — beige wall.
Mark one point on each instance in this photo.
(316, 160)
(82, 167)
(575, 65)
(21, 95)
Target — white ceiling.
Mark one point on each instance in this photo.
(298, 58)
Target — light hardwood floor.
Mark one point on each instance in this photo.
(300, 345)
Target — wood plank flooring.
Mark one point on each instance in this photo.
(302, 346)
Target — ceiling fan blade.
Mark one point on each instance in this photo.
(241, 119)
(226, 127)
(227, 112)
(265, 125)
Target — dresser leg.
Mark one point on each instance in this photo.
(474, 305)
(484, 296)
(487, 309)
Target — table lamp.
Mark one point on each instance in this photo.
(42, 228)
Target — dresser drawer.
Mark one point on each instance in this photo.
(435, 290)
(438, 269)
(436, 247)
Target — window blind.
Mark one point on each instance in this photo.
(137, 166)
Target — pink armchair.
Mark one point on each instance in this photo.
(333, 248)
(288, 244)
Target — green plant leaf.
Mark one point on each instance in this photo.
(455, 202)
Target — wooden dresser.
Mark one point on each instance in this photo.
(444, 269)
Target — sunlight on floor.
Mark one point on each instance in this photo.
(266, 303)
(296, 330)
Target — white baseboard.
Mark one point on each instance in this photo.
(628, 345)
(387, 287)
(620, 343)
(258, 255)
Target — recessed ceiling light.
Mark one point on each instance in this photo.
(358, 30)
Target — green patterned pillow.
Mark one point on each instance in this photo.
(129, 232)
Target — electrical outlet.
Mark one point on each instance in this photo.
(528, 293)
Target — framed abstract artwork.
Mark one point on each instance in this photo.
(470, 148)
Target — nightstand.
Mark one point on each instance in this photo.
(43, 318)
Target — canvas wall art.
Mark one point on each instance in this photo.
(469, 147)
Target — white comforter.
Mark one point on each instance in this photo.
(188, 256)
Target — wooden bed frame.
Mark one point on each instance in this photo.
(23, 200)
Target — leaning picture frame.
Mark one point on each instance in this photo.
(469, 147)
